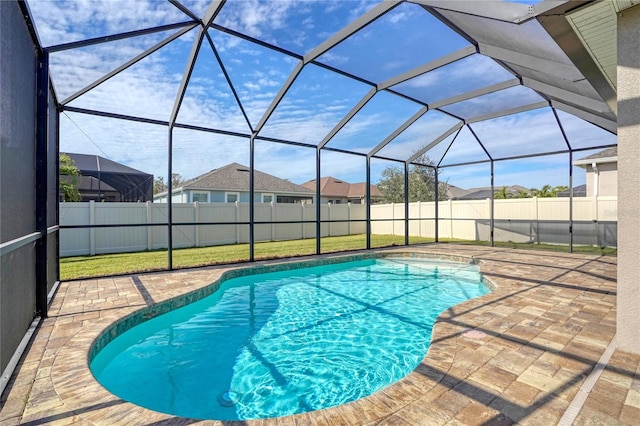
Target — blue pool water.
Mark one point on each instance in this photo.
(287, 342)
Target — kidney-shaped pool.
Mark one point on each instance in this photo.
(287, 342)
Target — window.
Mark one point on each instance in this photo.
(231, 197)
(267, 198)
(201, 197)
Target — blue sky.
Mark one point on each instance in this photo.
(399, 41)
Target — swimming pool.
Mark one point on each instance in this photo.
(287, 342)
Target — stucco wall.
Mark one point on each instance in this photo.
(628, 295)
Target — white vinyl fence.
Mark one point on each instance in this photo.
(90, 241)
(542, 220)
(535, 220)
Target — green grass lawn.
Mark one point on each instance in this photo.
(125, 263)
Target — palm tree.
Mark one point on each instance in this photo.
(502, 194)
(544, 192)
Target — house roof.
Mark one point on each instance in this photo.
(456, 192)
(485, 192)
(609, 155)
(578, 191)
(235, 177)
(332, 187)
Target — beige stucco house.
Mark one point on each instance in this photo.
(602, 172)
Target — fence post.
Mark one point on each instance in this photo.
(537, 207)
(273, 226)
(237, 203)
(149, 228)
(349, 218)
(393, 219)
(450, 218)
(302, 206)
(419, 219)
(92, 231)
(196, 219)
(329, 219)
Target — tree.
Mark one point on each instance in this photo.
(160, 186)
(559, 188)
(502, 194)
(176, 180)
(547, 191)
(421, 183)
(69, 183)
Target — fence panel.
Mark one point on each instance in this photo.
(519, 220)
(75, 242)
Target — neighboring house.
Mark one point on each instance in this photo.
(485, 192)
(230, 183)
(578, 191)
(336, 191)
(455, 193)
(106, 180)
(602, 172)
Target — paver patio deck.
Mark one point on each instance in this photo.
(518, 355)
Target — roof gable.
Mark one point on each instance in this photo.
(235, 177)
(609, 155)
(332, 187)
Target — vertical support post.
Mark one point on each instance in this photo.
(318, 200)
(437, 200)
(42, 141)
(571, 202)
(251, 200)
(303, 224)
(196, 219)
(492, 208)
(92, 230)
(419, 219)
(237, 219)
(367, 192)
(536, 206)
(451, 233)
(566, 140)
(406, 204)
(170, 201)
(272, 218)
(57, 200)
(149, 228)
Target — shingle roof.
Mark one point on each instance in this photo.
(332, 187)
(605, 153)
(235, 176)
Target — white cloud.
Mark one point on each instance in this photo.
(149, 90)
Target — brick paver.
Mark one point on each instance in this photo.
(515, 356)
